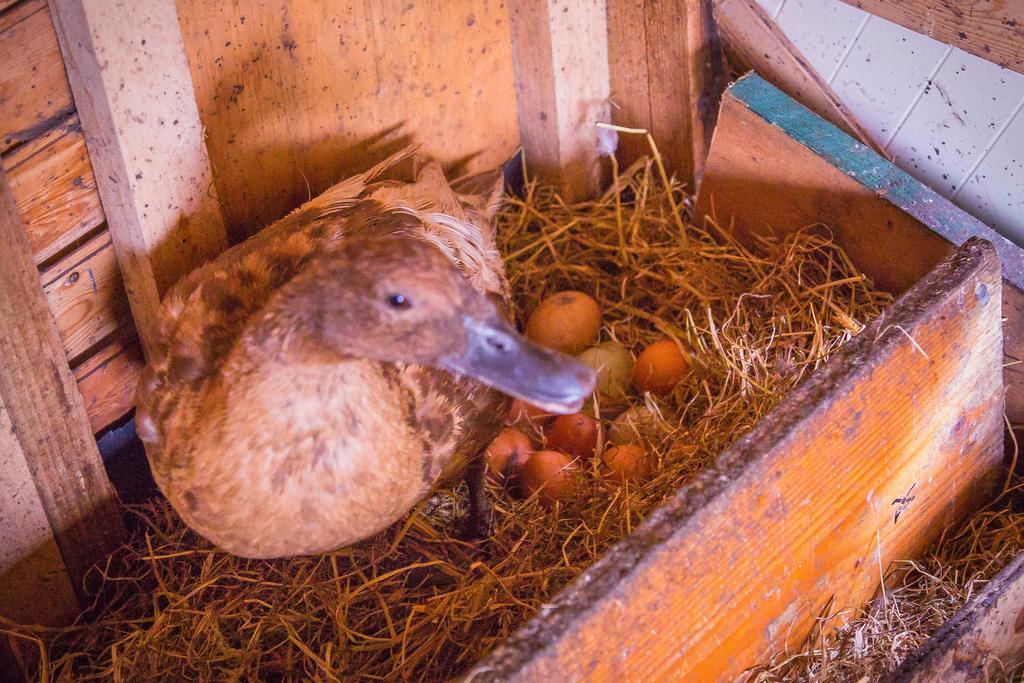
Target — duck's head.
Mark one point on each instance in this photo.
(400, 299)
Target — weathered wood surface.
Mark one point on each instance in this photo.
(797, 517)
(777, 167)
(107, 380)
(45, 410)
(754, 41)
(145, 142)
(34, 94)
(667, 76)
(562, 86)
(986, 637)
(990, 29)
(294, 96)
(86, 296)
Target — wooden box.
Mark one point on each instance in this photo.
(202, 122)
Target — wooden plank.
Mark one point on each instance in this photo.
(796, 517)
(54, 188)
(46, 412)
(34, 94)
(990, 30)
(754, 41)
(778, 167)
(667, 76)
(295, 96)
(86, 296)
(562, 87)
(108, 379)
(982, 638)
(145, 142)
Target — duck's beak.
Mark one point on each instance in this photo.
(500, 357)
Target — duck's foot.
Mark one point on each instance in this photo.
(478, 524)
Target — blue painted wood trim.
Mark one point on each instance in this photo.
(874, 172)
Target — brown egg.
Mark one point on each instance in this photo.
(568, 321)
(526, 414)
(549, 474)
(506, 455)
(625, 463)
(638, 423)
(577, 434)
(660, 367)
(613, 365)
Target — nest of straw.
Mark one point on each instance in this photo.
(415, 602)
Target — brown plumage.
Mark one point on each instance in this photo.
(317, 380)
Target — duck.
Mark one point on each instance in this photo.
(315, 382)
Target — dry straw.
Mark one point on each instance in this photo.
(414, 602)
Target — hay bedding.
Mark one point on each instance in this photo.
(413, 602)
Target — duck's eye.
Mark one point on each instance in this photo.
(398, 301)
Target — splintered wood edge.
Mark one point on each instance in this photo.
(835, 378)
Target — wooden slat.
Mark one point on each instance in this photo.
(86, 295)
(990, 30)
(145, 142)
(754, 41)
(796, 517)
(54, 188)
(296, 95)
(985, 637)
(562, 86)
(34, 94)
(46, 411)
(781, 168)
(107, 381)
(667, 76)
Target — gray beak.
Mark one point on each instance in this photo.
(500, 357)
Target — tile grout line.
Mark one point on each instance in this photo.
(778, 10)
(849, 48)
(988, 148)
(917, 97)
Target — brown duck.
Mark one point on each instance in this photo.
(318, 380)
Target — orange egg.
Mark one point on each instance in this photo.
(506, 454)
(526, 414)
(568, 321)
(660, 367)
(626, 462)
(550, 475)
(577, 434)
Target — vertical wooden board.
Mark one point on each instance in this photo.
(34, 94)
(108, 379)
(86, 295)
(797, 515)
(560, 50)
(54, 189)
(777, 167)
(296, 95)
(145, 142)
(45, 410)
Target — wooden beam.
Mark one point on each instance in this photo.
(45, 410)
(754, 41)
(560, 52)
(982, 639)
(990, 30)
(107, 380)
(779, 168)
(796, 518)
(667, 76)
(130, 78)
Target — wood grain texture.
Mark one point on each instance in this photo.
(145, 142)
(295, 96)
(560, 51)
(86, 295)
(34, 92)
(796, 517)
(990, 29)
(108, 379)
(754, 41)
(982, 639)
(55, 189)
(667, 75)
(778, 167)
(45, 410)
